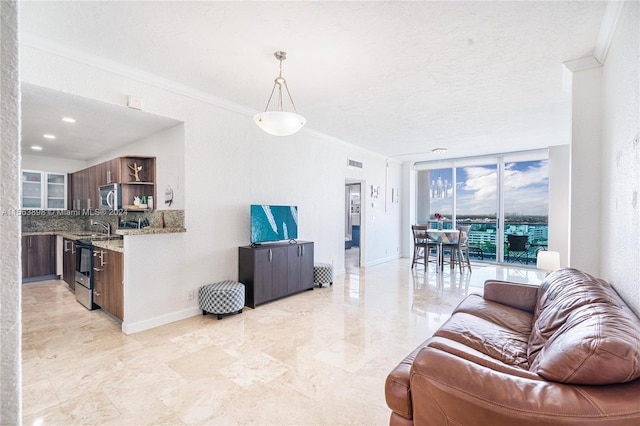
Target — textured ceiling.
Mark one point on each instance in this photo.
(397, 78)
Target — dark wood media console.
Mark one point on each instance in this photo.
(276, 270)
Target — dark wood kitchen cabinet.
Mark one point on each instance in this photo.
(273, 271)
(38, 256)
(107, 172)
(85, 183)
(108, 278)
(80, 190)
(69, 262)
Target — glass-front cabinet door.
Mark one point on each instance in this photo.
(32, 189)
(44, 190)
(56, 191)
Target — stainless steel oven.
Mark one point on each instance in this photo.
(84, 273)
(110, 197)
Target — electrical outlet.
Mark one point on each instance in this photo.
(190, 296)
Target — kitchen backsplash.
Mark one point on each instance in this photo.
(75, 220)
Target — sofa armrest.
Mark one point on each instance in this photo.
(517, 295)
(442, 383)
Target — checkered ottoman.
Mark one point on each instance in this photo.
(322, 273)
(226, 297)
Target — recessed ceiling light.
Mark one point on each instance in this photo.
(36, 148)
(49, 136)
(68, 119)
(439, 150)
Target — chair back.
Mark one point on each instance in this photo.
(420, 234)
(463, 237)
(518, 242)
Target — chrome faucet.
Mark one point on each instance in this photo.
(105, 225)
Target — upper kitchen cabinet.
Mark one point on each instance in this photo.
(44, 190)
(136, 174)
(108, 172)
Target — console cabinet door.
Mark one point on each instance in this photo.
(300, 267)
(306, 266)
(263, 276)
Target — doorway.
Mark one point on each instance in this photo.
(353, 201)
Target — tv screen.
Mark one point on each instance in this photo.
(273, 223)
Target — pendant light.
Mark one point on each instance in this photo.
(280, 122)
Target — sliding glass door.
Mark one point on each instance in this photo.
(526, 206)
(497, 196)
(477, 206)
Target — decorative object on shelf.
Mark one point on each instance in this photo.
(168, 196)
(438, 217)
(135, 171)
(280, 122)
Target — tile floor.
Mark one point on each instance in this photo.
(316, 358)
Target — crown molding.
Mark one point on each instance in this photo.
(40, 43)
(583, 63)
(605, 37)
(607, 29)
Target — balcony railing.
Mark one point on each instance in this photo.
(482, 239)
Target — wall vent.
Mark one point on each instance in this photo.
(354, 163)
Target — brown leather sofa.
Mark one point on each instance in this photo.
(566, 352)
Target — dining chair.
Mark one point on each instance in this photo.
(518, 248)
(459, 251)
(422, 245)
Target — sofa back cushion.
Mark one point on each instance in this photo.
(583, 332)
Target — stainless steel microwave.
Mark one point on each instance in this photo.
(111, 197)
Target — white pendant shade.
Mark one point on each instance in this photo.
(279, 123)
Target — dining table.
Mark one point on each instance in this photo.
(440, 237)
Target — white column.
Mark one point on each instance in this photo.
(10, 333)
(585, 170)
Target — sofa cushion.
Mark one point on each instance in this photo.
(497, 341)
(583, 333)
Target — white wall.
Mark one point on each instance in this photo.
(229, 164)
(168, 148)
(620, 255)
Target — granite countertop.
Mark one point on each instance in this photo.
(148, 231)
(115, 244)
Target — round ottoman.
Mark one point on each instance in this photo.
(225, 297)
(322, 273)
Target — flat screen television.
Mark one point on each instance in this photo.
(273, 223)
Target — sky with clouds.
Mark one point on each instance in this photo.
(526, 189)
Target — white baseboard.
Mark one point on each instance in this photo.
(382, 260)
(135, 327)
